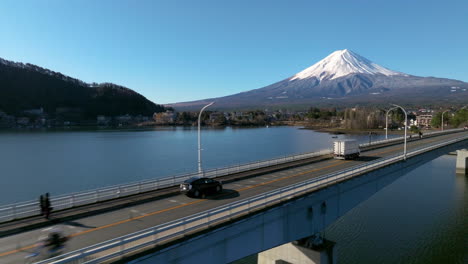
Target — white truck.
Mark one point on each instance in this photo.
(346, 149)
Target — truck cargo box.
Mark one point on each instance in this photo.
(346, 149)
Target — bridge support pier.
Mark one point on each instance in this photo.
(462, 161)
(310, 250)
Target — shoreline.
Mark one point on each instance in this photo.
(322, 129)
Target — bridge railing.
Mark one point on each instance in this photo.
(378, 142)
(31, 208)
(60, 202)
(165, 232)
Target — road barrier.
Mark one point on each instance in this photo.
(60, 202)
(127, 244)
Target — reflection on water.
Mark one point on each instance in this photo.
(420, 218)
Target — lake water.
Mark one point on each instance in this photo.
(32, 163)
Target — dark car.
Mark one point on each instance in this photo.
(199, 187)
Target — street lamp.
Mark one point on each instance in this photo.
(199, 139)
(442, 125)
(406, 120)
(386, 121)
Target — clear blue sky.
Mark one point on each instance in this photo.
(173, 51)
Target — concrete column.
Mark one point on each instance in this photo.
(462, 161)
(304, 251)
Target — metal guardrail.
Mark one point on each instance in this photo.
(378, 142)
(60, 202)
(148, 237)
(31, 208)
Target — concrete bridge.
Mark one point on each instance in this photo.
(258, 210)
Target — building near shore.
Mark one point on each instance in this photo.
(124, 119)
(103, 120)
(424, 120)
(216, 116)
(167, 117)
(22, 121)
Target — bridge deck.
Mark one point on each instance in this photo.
(89, 230)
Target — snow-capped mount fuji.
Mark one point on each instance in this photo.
(341, 63)
(343, 77)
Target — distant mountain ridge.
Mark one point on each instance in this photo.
(341, 78)
(32, 67)
(27, 86)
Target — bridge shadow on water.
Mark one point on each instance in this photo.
(225, 194)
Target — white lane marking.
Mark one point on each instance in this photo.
(178, 202)
(134, 213)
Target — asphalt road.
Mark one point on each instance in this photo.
(98, 228)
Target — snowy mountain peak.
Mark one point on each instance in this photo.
(341, 63)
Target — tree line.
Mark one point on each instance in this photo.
(27, 88)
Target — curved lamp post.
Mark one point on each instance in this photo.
(386, 121)
(406, 120)
(199, 138)
(442, 122)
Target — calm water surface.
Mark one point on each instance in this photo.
(32, 163)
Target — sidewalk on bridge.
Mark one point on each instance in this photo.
(25, 224)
